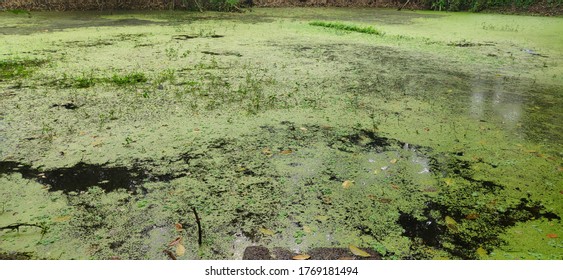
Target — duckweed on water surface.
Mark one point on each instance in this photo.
(439, 140)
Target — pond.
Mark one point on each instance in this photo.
(173, 135)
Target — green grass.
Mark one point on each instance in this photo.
(18, 68)
(347, 27)
(19, 12)
(89, 80)
(128, 79)
(85, 81)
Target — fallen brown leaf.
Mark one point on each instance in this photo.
(384, 200)
(61, 219)
(358, 252)
(176, 241)
(267, 151)
(266, 231)
(301, 257)
(451, 224)
(472, 216)
(286, 152)
(178, 226)
(97, 143)
(180, 250)
(347, 184)
(169, 254)
(481, 252)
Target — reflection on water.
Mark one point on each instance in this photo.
(491, 100)
(523, 108)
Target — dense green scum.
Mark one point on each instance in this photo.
(439, 137)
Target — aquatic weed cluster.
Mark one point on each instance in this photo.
(347, 27)
(18, 67)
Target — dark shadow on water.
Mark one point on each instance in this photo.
(83, 176)
(429, 231)
(481, 228)
(528, 109)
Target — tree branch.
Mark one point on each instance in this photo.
(199, 237)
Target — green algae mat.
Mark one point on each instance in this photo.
(369, 133)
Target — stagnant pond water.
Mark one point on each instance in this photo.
(173, 135)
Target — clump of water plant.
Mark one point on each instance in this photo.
(19, 12)
(87, 80)
(18, 67)
(206, 33)
(128, 79)
(171, 53)
(347, 27)
(84, 81)
(164, 76)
